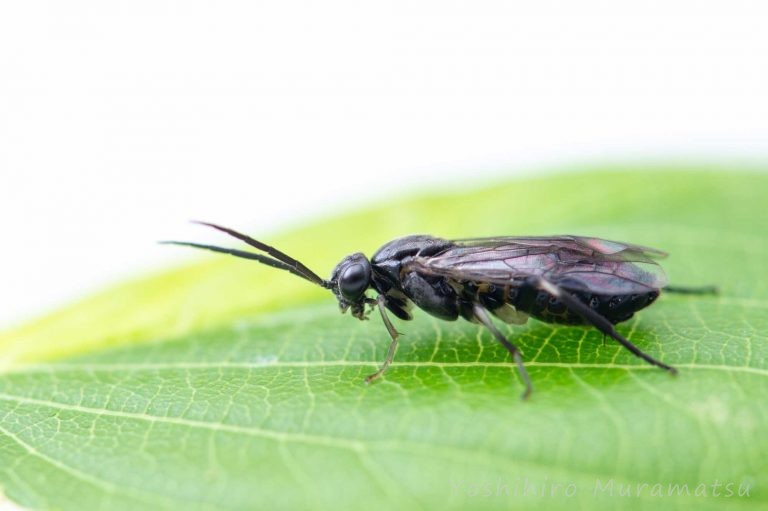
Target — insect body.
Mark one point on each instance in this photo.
(559, 279)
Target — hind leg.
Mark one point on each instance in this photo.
(596, 320)
(684, 290)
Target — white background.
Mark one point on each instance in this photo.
(119, 121)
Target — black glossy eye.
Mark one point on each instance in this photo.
(354, 281)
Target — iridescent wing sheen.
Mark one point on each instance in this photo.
(582, 244)
(575, 262)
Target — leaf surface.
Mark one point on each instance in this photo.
(224, 385)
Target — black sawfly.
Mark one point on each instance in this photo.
(571, 280)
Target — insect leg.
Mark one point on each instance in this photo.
(683, 290)
(482, 315)
(597, 321)
(394, 334)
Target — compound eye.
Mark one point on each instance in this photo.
(354, 281)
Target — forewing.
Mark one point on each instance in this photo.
(589, 264)
(578, 244)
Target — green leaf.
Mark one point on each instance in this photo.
(226, 385)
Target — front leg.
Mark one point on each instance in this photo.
(393, 334)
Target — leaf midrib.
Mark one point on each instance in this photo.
(54, 368)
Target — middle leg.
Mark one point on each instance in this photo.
(482, 315)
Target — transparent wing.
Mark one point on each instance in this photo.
(575, 262)
(582, 244)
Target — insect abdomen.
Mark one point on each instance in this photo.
(614, 308)
(545, 307)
